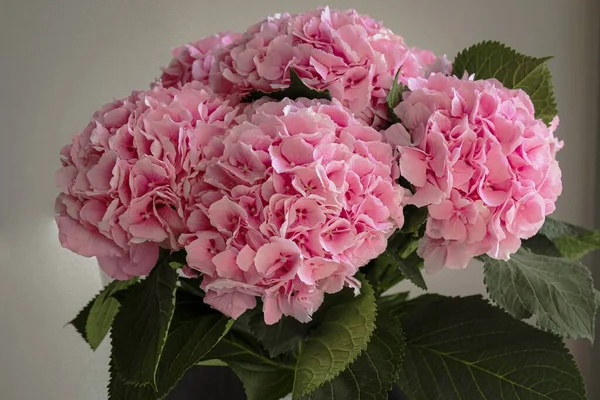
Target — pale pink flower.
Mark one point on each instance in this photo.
(85, 240)
(139, 261)
(294, 299)
(193, 61)
(131, 180)
(302, 197)
(350, 54)
(232, 303)
(482, 163)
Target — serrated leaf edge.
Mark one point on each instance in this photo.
(335, 375)
(569, 356)
(162, 345)
(90, 304)
(531, 313)
(551, 100)
(370, 329)
(227, 327)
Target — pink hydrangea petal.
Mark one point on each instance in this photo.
(231, 303)
(226, 216)
(139, 261)
(413, 166)
(226, 265)
(271, 310)
(245, 258)
(83, 241)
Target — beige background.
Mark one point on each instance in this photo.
(61, 59)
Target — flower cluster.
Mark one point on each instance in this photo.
(281, 200)
(482, 163)
(284, 201)
(126, 178)
(351, 55)
(297, 197)
(193, 61)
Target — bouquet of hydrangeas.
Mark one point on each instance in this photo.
(256, 203)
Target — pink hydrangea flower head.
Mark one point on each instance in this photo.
(126, 179)
(481, 162)
(193, 61)
(350, 54)
(300, 196)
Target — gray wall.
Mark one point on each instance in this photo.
(61, 59)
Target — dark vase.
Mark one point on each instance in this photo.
(219, 383)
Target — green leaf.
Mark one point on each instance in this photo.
(410, 268)
(559, 292)
(280, 337)
(344, 331)
(399, 261)
(576, 247)
(540, 244)
(242, 323)
(554, 229)
(195, 330)
(372, 374)
(140, 328)
(572, 241)
(597, 299)
(119, 390)
(464, 348)
(516, 71)
(414, 218)
(394, 97)
(191, 285)
(264, 378)
(94, 321)
(383, 273)
(296, 90)
(394, 303)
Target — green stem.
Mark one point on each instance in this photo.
(212, 363)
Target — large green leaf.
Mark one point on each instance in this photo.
(540, 244)
(558, 291)
(194, 331)
(465, 349)
(279, 337)
(372, 374)
(554, 229)
(517, 71)
(140, 328)
(572, 241)
(119, 390)
(263, 377)
(394, 303)
(344, 330)
(296, 90)
(94, 321)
